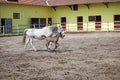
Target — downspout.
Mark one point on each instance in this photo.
(46, 1)
(0, 14)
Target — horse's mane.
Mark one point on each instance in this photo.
(54, 28)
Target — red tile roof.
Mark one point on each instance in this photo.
(33, 2)
(56, 2)
(26, 2)
(69, 2)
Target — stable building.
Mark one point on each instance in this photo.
(73, 15)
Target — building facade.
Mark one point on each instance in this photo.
(103, 15)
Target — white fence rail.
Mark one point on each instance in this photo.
(70, 27)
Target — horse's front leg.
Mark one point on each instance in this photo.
(56, 45)
(31, 42)
(47, 44)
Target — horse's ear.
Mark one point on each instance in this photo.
(61, 27)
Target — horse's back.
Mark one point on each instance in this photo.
(38, 33)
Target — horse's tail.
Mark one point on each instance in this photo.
(24, 36)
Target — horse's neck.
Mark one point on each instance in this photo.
(57, 36)
(48, 31)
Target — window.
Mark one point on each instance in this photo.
(91, 18)
(50, 21)
(80, 19)
(63, 19)
(75, 7)
(16, 15)
(98, 18)
(94, 18)
(13, 0)
(117, 18)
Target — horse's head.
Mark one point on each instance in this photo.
(61, 31)
(57, 29)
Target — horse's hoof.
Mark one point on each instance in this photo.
(48, 50)
(56, 47)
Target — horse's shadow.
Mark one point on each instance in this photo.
(62, 51)
(54, 51)
(43, 50)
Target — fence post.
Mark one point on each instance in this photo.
(108, 26)
(68, 27)
(3, 29)
(18, 29)
(87, 26)
(34, 26)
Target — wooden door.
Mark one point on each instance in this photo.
(116, 22)
(7, 23)
(49, 21)
(35, 23)
(38, 22)
(97, 22)
(42, 22)
(63, 23)
(80, 23)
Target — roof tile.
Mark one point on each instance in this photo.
(56, 2)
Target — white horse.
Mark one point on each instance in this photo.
(40, 34)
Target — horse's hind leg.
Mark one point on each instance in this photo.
(27, 42)
(48, 46)
(31, 42)
(56, 45)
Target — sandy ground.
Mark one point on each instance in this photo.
(82, 56)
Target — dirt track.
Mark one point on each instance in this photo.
(83, 56)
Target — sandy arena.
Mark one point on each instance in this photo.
(81, 56)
